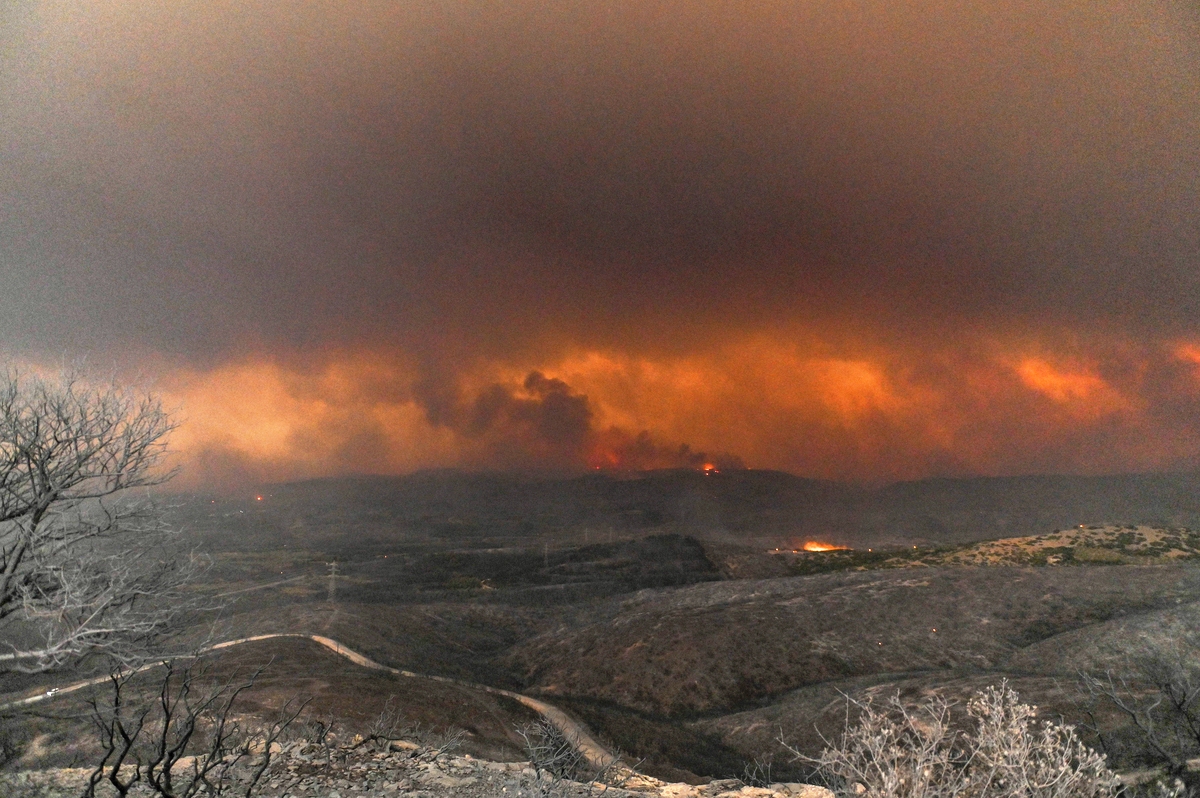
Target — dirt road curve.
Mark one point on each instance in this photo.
(597, 755)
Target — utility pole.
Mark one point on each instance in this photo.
(332, 581)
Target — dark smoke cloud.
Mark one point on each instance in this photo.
(543, 423)
(641, 451)
(201, 177)
(452, 185)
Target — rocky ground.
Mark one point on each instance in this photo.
(309, 770)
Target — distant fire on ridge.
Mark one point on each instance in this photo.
(812, 545)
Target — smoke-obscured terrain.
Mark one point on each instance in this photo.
(682, 614)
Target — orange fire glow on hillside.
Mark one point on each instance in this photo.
(809, 546)
(813, 545)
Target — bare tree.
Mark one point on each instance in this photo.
(85, 560)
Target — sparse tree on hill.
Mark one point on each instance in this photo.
(85, 560)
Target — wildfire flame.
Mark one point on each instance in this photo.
(813, 545)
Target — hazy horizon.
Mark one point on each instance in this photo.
(232, 486)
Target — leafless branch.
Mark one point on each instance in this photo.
(186, 740)
(87, 564)
(558, 763)
(1157, 690)
(549, 750)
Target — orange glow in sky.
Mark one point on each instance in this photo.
(755, 401)
(1188, 352)
(1065, 386)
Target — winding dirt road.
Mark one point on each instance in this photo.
(597, 755)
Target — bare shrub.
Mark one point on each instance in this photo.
(757, 773)
(387, 727)
(1015, 756)
(442, 743)
(560, 767)
(550, 751)
(186, 739)
(897, 751)
(1157, 690)
(317, 731)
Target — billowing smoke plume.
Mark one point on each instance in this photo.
(542, 423)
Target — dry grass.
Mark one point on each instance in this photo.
(1096, 544)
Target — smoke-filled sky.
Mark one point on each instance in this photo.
(864, 240)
